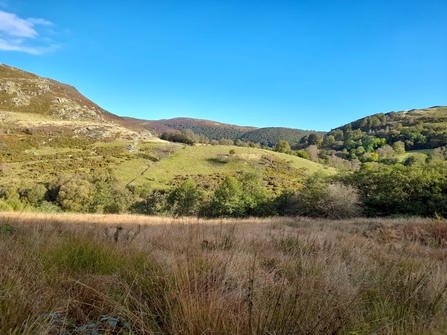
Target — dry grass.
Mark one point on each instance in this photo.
(76, 274)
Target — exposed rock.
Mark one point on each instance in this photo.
(57, 105)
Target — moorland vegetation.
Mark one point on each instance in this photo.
(236, 236)
(106, 274)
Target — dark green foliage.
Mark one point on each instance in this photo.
(208, 129)
(36, 194)
(153, 203)
(7, 229)
(412, 130)
(319, 197)
(417, 189)
(283, 146)
(271, 136)
(180, 137)
(184, 199)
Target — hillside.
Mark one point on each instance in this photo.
(41, 105)
(212, 130)
(268, 136)
(417, 128)
(61, 152)
(272, 135)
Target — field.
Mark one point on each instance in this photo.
(104, 274)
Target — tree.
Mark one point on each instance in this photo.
(420, 189)
(184, 199)
(283, 146)
(312, 139)
(227, 200)
(399, 147)
(76, 195)
(36, 194)
(328, 140)
(255, 197)
(320, 198)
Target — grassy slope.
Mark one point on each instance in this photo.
(204, 160)
(39, 158)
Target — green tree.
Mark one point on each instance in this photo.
(227, 200)
(283, 146)
(399, 147)
(255, 196)
(36, 194)
(76, 195)
(420, 189)
(184, 199)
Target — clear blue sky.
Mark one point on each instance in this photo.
(302, 64)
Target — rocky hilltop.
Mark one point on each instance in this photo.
(28, 101)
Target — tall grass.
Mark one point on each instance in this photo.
(79, 274)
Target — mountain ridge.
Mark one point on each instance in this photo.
(30, 101)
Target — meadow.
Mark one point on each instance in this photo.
(124, 274)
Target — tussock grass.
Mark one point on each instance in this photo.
(75, 274)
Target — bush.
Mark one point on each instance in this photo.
(226, 201)
(320, 198)
(153, 204)
(4, 207)
(184, 199)
(76, 195)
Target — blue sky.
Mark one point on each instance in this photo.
(300, 64)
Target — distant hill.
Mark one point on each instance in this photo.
(49, 130)
(216, 130)
(211, 129)
(270, 136)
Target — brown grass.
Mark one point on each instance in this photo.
(64, 273)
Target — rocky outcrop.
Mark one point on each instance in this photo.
(27, 100)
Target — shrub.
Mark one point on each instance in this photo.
(5, 207)
(320, 198)
(76, 195)
(184, 199)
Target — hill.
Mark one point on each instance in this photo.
(272, 135)
(385, 134)
(211, 129)
(417, 128)
(41, 105)
(268, 136)
(59, 150)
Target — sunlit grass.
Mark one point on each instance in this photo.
(62, 274)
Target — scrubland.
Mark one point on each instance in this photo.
(106, 274)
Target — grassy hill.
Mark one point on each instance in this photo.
(49, 129)
(41, 105)
(28, 158)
